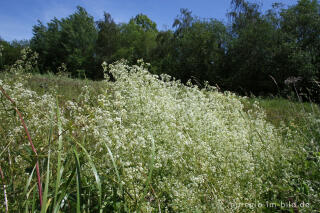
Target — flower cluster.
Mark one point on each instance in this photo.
(199, 147)
(207, 149)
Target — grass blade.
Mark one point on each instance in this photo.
(94, 170)
(59, 169)
(45, 193)
(63, 194)
(28, 182)
(115, 166)
(34, 201)
(25, 191)
(76, 156)
(47, 202)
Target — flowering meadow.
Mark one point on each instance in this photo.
(148, 143)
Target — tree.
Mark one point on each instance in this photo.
(183, 22)
(70, 40)
(198, 46)
(163, 60)
(137, 39)
(10, 52)
(46, 41)
(108, 39)
(250, 53)
(78, 38)
(144, 23)
(300, 25)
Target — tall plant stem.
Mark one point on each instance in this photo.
(30, 141)
(4, 191)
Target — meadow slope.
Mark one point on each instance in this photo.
(149, 143)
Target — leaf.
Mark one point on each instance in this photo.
(94, 170)
(76, 156)
(59, 168)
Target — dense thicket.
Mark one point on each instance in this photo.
(255, 52)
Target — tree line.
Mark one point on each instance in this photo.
(254, 52)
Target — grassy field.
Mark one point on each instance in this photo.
(144, 143)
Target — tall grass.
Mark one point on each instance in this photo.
(31, 143)
(298, 122)
(151, 144)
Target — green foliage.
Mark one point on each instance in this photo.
(46, 42)
(108, 40)
(301, 27)
(144, 22)
(194, 50)
(78, 37)
(137, 39)
(250, 52)
(272, 47)
(163, 60)
(200, 50)
(70, 40)
(10, 52)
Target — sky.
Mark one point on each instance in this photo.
(18, 16)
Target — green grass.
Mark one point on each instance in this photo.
(280, 110)
(67, 88)
(301, 121)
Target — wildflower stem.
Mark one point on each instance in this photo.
(4, 191)
(31, 143)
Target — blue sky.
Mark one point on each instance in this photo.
(18, 16)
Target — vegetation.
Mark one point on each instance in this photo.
(156, 137)
(10, 52)
(254, 53)
(144, 142)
